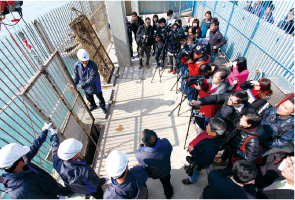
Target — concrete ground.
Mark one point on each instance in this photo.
(139, 104)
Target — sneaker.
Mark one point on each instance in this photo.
(174, 72)
(92, 107)
(132, 57)
(104, 109)
(147, 66)
(170, 70)
(179, 89)
(137, 56)
(139, 67)
(161, 68)
(189, 108)
(186, 181)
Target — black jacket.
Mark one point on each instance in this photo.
(226, 112)
(223, 187)
(216, 39)
(135, 25)
(143, 30)
(279, 132)
(238, 137)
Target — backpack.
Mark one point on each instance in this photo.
(243, 148)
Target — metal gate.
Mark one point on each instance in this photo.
(153, 7)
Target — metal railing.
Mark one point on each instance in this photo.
(153, 7)
(257, 31)
(20, 121)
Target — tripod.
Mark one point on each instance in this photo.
(189, 124)
(182, 100)
(162, 59)
(178, 78)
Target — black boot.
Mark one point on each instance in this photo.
(92, 107)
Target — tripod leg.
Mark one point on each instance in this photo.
(154, 74)
(182, 100)
(189, 124)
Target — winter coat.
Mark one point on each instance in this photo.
(89, 77)
(226, 112)
(205, 151)
(156, 160)
(137, 24)
(34, 182)
(238, 137)
(204, 27)
(242, 77)
(129, 31)
(132, 188)
(279, 132)
(143, 30)
(77, 176)
(216, 39)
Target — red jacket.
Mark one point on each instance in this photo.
(208, 110)
(195, 66)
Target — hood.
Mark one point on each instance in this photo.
(128, 188)
(255, 132)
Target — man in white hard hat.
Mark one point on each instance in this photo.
(23, 179)
(76, 175)
(126, 184)
(86, 72)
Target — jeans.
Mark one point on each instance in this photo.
(160, 54)
(194, 178)
(168, 190)
(172, 61)
(184, 72)
(202, 122)
(212, 58)
(190, 92)
(147, 51)
(90, 98)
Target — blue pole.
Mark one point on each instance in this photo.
(194, 9)
(231, 14)
(253, 33)
(215, 8)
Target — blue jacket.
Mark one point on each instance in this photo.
(204, 28)
(131, 188)
(156, 160)
(273, 125)
(89, 77)
(205, 151)
(34, 182)
(77, 176)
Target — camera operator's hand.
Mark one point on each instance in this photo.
(235, 82)
(144, 36)
(198, 87)
(195, 103)
(214, 47)
(190, 148)
(190, 61)
(234, 63)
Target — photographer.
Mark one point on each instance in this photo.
(160, 38)
(170, 17)
(204, 148)
(144, 41)
(208, 70)
(135, 23)
(196, 24)
(214, 86)
(173, 47)
(129, 31)
(243, 142)
(234, 106)
(198, 58)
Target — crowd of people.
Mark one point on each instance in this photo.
(256, 142)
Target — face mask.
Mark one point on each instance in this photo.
(168, 17)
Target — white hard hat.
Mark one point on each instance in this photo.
(11, 153)
(69, 148)
(82, 55)
(116, 163)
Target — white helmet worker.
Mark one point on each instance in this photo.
(82, 55)
(116, 163)
(69, 148)
(10, 153)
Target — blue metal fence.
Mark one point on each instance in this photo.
(260, 31)
(153, 7)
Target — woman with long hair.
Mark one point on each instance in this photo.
(239, 73)
(155, 28)
(196, 23)
(260, 89)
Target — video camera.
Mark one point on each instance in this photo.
(193, 163)
(187, 50)
(195, 80)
